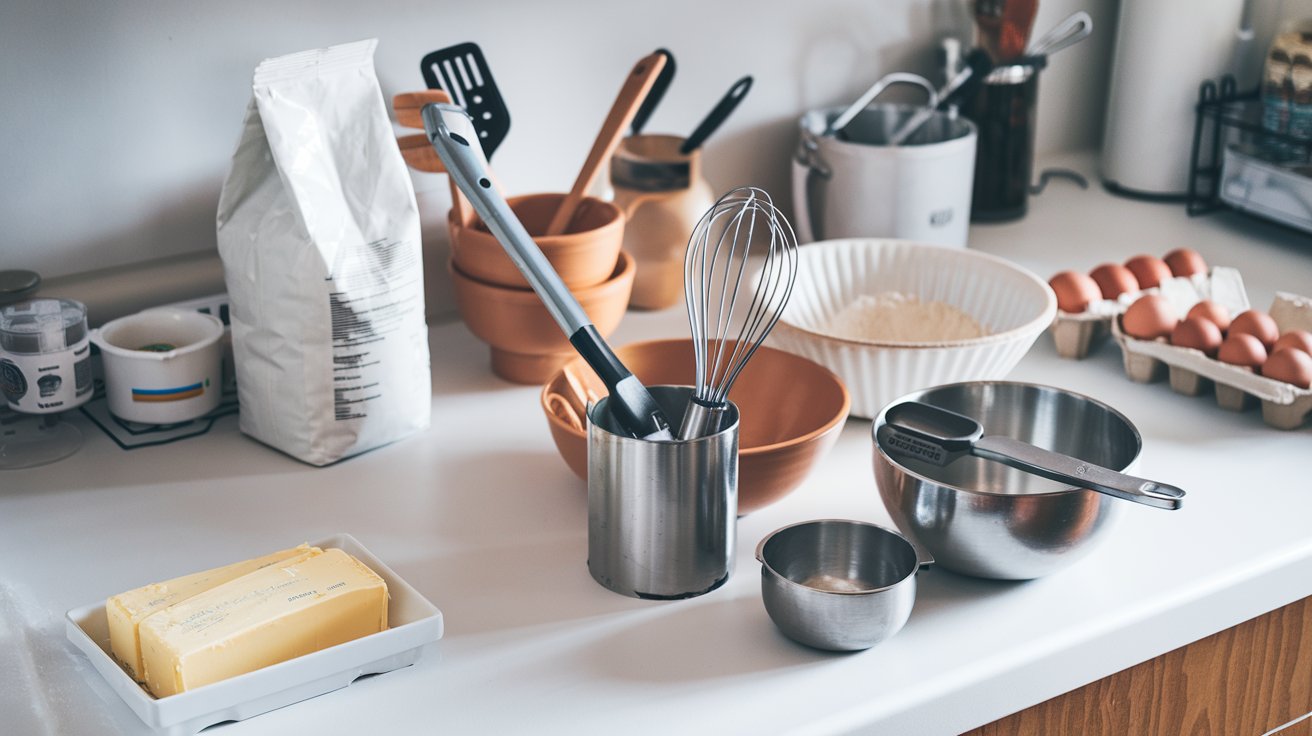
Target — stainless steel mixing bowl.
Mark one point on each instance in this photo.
(985, 519)
(837, 584)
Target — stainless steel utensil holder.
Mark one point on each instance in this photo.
(662, 516)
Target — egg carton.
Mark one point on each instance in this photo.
(1076, 335)
(1190, 372)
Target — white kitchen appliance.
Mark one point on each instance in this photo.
(1164, 50)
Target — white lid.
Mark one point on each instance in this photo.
(42, 326)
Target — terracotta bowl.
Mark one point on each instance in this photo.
(792, 412)
(584, 256)
(527, 344)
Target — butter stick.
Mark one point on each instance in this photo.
(125, 611)
(268, 616)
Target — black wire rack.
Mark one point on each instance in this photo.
(1229, 119)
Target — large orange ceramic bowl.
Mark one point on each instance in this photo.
(792, 411)
(584, 256)
(527, 344)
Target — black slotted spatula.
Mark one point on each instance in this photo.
(462, 72)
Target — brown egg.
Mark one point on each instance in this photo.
(1242, 349)
(1074, 290)
(1113, 279)
(1300, 339)
(1185, 262)
(1290, 365)
(1150, 317)
(1258, 324)
(1148, 270)
(1198, 333)
(1215, 313)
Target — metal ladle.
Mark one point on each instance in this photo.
(939, 437)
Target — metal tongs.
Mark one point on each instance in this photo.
(452, 133)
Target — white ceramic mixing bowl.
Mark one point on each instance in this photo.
(1012, 304)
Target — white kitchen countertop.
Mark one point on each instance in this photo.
(481, 515)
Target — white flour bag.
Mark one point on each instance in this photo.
(319, 235)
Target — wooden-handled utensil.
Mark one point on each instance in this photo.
(409, 105)
(419, 154)
(1017, 24)
(631, 95)
(1004, 27)
(417, 149)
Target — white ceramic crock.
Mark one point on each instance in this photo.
(857, 186)
(162, 365)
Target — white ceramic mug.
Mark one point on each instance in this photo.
(162, 365)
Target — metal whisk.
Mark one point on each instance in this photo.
(729, 311)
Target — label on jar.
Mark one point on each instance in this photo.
(49, 382)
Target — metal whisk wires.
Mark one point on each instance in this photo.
(730, 312)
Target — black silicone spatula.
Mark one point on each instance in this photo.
(939, 437)
(462, 72)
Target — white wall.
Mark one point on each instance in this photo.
(118, 117)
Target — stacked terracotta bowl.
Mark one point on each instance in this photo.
(502, 310)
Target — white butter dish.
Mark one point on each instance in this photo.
(413, 622)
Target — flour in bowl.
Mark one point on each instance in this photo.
(892, 316)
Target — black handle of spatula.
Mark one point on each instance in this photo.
(655, 94)
(718, 114)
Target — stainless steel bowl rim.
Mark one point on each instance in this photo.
(760, 556)
(879, 420)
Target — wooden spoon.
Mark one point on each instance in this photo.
(416, 149)
(409, 106)
(1017, 24)
(418, 153)
(621, 114)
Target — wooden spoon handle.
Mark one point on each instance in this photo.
(419, 154)
(621, 114)
(409, 106)
(416, 149)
